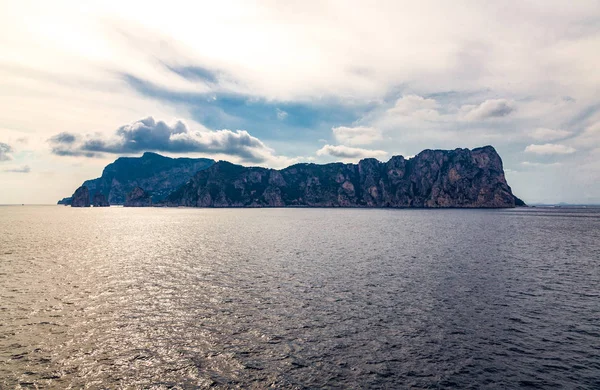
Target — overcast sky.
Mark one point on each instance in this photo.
(263, 83)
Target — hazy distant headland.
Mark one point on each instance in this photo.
(460, 178)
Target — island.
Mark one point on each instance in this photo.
(459, 178)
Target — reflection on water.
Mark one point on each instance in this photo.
(295, 298)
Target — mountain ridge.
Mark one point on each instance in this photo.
(434, 178)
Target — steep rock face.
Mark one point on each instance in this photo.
(155, 173)
(81, 197)
(138, 198)
(100, 200)
(433, 178)
(519, 202)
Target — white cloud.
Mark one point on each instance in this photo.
(349, 153)
(548, 134)
(539, 164)
(360, 135)
(409, 104)
(414, 107)
(549, 149)
(492, 108)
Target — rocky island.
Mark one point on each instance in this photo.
(433, 179)
(460, 178)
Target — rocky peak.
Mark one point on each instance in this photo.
(152, 155)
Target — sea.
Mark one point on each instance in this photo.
(180, 298)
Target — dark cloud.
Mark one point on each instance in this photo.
(5, 150)
(23, 169)
(151, 135)
(65, 151)
(64, 144)
(63, 138)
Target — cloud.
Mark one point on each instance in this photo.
(539, 164)
(548, 134)
(281, 115)
(346, 152)
(492, 108)
(589, 137)
(63, 144)
(68, 152)
(415, 106)
(549, 149)
(22, 169)
(361, 135)
(411, 103)
(63, 138)
(151, 135)
(5, 150)
(195, 73)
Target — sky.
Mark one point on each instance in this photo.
(272, 83)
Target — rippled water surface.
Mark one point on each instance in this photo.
(299, 298)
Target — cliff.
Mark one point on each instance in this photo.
(154, 173)
(100, 200)
(433, 178)
(138, 198)
(81, 197)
